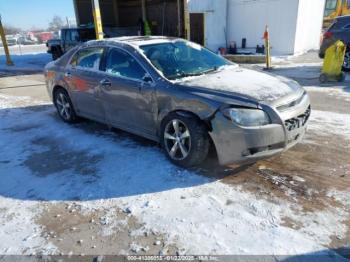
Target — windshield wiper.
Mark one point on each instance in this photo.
(183, 74)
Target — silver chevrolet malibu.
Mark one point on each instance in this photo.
(181, 95)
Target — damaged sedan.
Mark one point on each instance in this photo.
(181, 95)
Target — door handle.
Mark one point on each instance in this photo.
(106, 83)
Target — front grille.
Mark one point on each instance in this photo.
(299, 121)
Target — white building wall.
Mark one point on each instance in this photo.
(215, 21)
(247, 19)
(308, 33)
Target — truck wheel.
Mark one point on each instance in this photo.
(54, 55)
(185, 140)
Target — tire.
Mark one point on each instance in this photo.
(346, 65)
(54, 55)
(64, 106)
(191, 139)
(323, 78)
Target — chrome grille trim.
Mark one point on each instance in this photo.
(299, 121)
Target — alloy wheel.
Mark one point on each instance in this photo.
(63, 106)
(177, 139)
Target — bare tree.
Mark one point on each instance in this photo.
(56, 23)
(11, 30)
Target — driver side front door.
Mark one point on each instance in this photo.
(128, 97)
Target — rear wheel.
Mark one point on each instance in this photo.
(185, 140)
(64, 106)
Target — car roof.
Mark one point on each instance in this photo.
(137, 41)
(344, 17)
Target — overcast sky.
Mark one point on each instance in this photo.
(27, 14)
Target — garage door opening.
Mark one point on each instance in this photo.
(197, 28)
(125, 17)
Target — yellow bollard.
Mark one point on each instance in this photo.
(267, 48)
(97, 19)
(4, 42)
(333, 62)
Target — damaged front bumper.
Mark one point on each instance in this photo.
(243, 145)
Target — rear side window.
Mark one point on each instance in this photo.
(74, 35)
(330, 7)
(120, 63)
(86, 34)
(88, 58)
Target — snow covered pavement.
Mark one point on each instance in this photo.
(83, 189)
(45, 163)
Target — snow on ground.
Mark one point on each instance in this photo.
(330, 123)
(30, 58)
(200, 215)
(26, 62)
(336, 92)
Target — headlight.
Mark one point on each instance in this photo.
(247, 117)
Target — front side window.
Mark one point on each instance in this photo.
(88, 58)
(74, 35)
(120, 63)
(182, 58)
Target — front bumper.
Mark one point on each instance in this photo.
(243, 145)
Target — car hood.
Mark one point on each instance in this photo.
(261, 87)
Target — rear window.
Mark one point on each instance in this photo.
(63, 60)
(87, 34)
(330, 7)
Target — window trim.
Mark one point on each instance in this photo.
(108, 49)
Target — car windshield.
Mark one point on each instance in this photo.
(180, 59)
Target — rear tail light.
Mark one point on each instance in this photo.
(327, 35)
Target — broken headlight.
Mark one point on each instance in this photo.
(247, 117)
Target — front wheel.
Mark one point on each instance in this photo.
(185, 140)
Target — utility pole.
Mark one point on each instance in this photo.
(4, 43)
(187, 21)
(97, 19)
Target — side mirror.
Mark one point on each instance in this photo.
(147, 78)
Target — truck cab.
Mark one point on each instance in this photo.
(68, 38)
